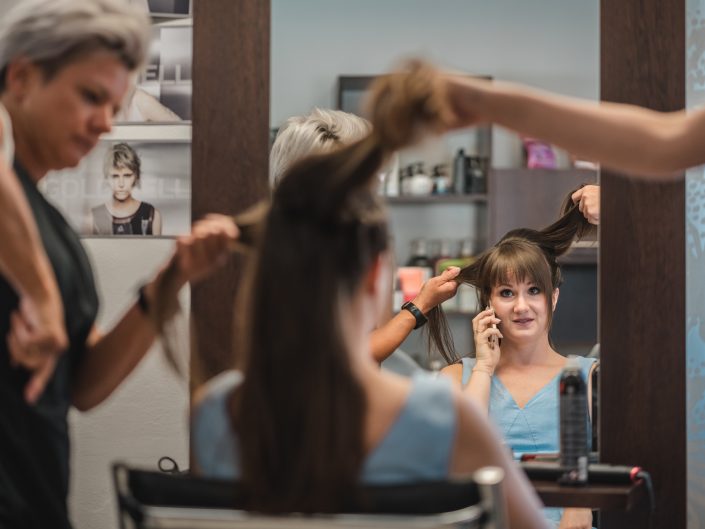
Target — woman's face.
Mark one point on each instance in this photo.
(121, 181)
(61, 120)
(522, 308)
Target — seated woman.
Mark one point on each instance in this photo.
(308, 414)
(323, 131)
(516, 369)
(123, 214)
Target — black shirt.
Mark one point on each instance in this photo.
(34, 442)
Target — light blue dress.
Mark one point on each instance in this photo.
(417, 447)
(533, 428)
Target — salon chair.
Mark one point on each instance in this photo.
(152, 500)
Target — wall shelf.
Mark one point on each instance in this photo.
(437, 199)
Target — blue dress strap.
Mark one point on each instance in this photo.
(215, 449)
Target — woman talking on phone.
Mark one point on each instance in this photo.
(514, 374)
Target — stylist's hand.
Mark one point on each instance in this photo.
(207, 246)
(467, 97)
(437, 289)
(588, 198)
(576, 519)
(487, 355)
(36, 339)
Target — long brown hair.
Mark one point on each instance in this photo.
(520, 255)
(300, 412)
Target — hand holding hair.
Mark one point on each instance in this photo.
(208, 246)
(588, 200)
(437, 289)
(410, 103)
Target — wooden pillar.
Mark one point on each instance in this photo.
(642, 267)
(230, 150)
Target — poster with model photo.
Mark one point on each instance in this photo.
(162, 93)
(126, 188)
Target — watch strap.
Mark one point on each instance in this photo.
(419, 316)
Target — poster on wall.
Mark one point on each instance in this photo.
(162, 93)
(126, 188)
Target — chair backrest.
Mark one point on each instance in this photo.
(151, 500)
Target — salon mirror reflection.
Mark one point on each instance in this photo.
(509, 182)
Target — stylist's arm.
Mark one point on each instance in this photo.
(111, 357)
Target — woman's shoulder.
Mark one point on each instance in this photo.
(213, 444)
(460, 371)
(429, 400)
(209, 399)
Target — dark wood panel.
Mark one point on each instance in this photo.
(530, 198)
(230, 150)
(642, 268)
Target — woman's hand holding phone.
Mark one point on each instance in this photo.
(486, 335)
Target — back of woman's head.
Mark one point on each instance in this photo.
(54, 33)
(319, 132)
(522, 255)
(300, 412)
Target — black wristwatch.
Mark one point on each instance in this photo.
(416, 313)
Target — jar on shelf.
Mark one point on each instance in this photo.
(419, 255)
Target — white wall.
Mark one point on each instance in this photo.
(146, 417)
(550, 44)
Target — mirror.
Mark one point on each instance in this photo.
(545, 44)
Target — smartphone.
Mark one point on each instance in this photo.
(493, 338)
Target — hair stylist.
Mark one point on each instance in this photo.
(65, 66)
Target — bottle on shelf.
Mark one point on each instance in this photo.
(441, 182)
(573, 424)
(460, 172)
(405, 179)
(468, 249)
(467, 295)
(444, 253)
(392, 180)
(477, 175)
(419, 255)
(420, 184)
(398, 296)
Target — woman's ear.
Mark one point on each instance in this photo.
(20, 76)
(554, 299)
(378, 286)
(376, 275)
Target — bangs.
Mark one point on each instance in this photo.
(521, 261)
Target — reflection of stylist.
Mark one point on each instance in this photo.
(124, 214)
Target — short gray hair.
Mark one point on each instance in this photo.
(319, 132)
(54, 33)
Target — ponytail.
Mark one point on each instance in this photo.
(300, 411)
